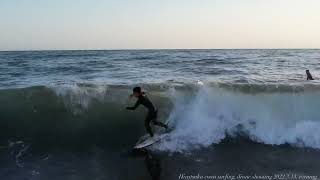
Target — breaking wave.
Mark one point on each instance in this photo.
(200, 115)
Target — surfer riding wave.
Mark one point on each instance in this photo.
(152, 111)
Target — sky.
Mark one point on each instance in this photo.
(158, 24)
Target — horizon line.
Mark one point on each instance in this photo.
(142, 49)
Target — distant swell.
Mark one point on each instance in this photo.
(200, 114)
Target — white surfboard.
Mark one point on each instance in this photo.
(146, 140)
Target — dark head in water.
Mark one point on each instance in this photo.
(137, 92)
(309, 76)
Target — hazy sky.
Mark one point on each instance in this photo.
(126, 24)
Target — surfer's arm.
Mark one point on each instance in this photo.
(135, 106)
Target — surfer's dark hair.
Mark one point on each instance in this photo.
(137, 90)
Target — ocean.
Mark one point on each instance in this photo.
(233, 114)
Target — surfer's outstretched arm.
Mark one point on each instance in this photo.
(135, 106)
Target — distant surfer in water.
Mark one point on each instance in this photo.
(152, 112)
(309, 76)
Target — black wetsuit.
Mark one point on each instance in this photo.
(309, 76)
(152, 113)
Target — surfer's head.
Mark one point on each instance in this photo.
(137, 92)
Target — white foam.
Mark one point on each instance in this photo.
(75, 96)
(212, 113)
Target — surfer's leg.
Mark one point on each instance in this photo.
(147, 125)
(158, 123)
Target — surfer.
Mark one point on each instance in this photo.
(309, 76)
(152, 111)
